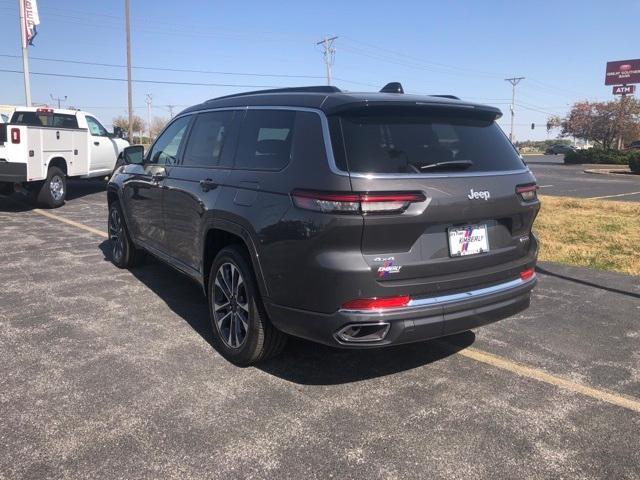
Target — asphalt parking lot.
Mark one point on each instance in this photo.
(555, 178)
(109, 373)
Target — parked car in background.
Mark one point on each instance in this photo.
(41, 147)
(559, 149)
(634, 145)
(354, 220)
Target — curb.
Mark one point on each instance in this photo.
(608, 171)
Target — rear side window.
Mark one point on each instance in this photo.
(207, 139)
(36, 119)
(265, 140)
(415, 141)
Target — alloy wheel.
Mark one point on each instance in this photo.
(231, 305)
(116, 234)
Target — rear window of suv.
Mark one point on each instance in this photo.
(418, 141)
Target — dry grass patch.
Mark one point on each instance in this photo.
(590, 233)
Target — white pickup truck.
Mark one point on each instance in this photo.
(41, 147)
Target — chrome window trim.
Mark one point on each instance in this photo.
(329, 149)
(416, 304)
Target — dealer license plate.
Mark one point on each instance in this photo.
(468, 240)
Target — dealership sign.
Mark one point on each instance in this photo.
(624, 90)
(622, 72)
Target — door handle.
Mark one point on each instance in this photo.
(207, 185)
(96, 143)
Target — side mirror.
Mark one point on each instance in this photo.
(118, 132)
(133, 155)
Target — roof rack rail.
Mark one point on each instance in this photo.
(453, 97)
(313, 89)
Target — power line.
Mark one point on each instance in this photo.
(423, 61)
(167, 69)
(159, 82)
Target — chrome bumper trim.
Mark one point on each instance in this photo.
(417, 303)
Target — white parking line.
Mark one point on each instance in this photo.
(544, 186)
(612, 196)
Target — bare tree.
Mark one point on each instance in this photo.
(157, 125)
(137, 125)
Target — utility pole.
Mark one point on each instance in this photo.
(621, 114)
(329, 54)
(149, 99)
(129, 89)
(171, 107)
(25, 54)
(58, 99)
(513, 81)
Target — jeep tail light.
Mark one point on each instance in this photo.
(528, 192)
(527, 274)
(15, 135)
(377, 303)
(355, 203)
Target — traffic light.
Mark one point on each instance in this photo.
(533, 126)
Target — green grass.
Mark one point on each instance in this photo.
(599, 234)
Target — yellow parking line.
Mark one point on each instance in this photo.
(536, 374)
(487, 358)
(70, 222)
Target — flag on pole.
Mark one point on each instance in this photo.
(31, 20)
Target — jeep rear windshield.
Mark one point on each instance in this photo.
(420, 141)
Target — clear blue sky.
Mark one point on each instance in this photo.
(465, 48)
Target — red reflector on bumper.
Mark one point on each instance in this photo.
(527, 274)
(377, 303)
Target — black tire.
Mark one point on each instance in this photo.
(53, 192)
(6, 189)
(123, 251)
(261, 339)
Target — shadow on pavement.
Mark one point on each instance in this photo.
(23, 202)
(301, 362)
(308, 363)
(544, 271)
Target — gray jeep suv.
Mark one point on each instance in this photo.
(350, 219)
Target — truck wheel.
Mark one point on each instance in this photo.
(53, 191)
(123, 251)
(242, 333)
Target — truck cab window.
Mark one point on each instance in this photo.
(95, 128)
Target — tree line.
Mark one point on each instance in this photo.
(610, 125)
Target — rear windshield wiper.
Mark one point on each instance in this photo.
(450, 163)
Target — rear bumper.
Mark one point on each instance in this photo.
(13, 172)
(422, 319)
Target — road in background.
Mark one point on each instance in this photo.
(556, 178)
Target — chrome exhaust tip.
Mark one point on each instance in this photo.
(363, 332)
